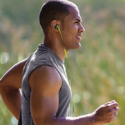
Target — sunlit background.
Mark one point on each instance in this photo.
(97, 69)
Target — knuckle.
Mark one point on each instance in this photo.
(117, 107)
(106, 106)
(115, 114)
(110, 110)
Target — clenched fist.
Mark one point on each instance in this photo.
(106, 113)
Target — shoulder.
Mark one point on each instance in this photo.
(45, 79)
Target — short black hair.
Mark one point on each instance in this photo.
(54, 10)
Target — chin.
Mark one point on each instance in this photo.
(78, 43)
(77, 46)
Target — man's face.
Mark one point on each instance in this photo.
(72, 30)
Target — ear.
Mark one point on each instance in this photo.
(53, 24)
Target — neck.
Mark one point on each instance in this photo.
(56, 46)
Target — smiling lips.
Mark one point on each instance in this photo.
(79, 37)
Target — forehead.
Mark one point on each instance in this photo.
(74, 14)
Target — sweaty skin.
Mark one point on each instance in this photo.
(45, 82)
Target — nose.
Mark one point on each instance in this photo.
(81, 29)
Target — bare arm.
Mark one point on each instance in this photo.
(9, 88)
(45, 84)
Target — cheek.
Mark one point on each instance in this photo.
(70, 32)
(74, 29)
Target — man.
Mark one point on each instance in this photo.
(46, 93)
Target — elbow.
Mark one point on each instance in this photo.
(0, 85)
(0, 82)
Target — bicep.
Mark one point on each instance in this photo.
(43, 107)
(45, 88)
(13, 77)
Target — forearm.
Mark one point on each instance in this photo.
(12, 99)
(82, 120)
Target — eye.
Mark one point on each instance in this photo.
(76, 22)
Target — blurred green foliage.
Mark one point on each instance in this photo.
(97, 68)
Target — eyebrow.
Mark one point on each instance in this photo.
(79, 20)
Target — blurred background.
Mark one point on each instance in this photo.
(97, 69)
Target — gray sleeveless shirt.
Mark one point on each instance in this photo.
(44, 56)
